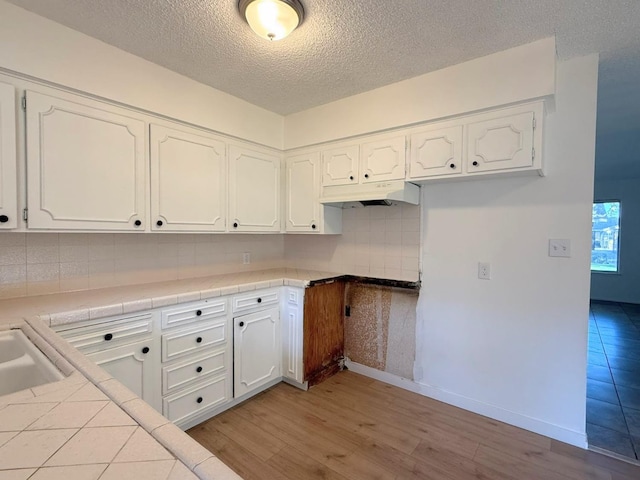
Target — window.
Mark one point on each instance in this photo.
(605, 237)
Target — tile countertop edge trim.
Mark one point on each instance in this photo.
(183, 447)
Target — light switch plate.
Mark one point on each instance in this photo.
(559, 247)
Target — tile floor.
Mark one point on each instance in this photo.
(613, 378)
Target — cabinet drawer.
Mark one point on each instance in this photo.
(114, 332)
(194, 339)
(183, 404)
(254, 300)
(200, 312)
(181, 374)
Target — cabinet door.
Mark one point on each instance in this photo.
(254, 190)
(292, 325)
(383, 160)
(8, 176)
(303, 184)
(256, 350)
(86, 166)
(340, 165)
(136, 366)
(436, 152)
(501, 143)
(188, 181)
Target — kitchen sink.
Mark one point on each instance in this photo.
(22, 365)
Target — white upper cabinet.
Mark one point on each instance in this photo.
(383, 160)
(302, 191)
(8, 175)
(86, 165)
(500, 143)
(188, 180)
(436, 151)
(340, 165)
(254, 190)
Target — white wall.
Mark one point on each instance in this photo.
(33, 45)
(524, 72)
(514, 347)
(625, 286)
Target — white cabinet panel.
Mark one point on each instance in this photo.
(340, 165)
(188, 180)
(8, 175)
(437, 151)
(256, 353)
(292, 334)
(303, 185)
(135, 366)
(86, 165)
(501, 143)
(254, 190)
(383, 160)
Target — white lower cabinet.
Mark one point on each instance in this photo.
(291, 314)
(256, 350)
(135, 366)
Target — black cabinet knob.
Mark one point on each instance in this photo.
(4, 219)
(159, 223)
(137, 223)
(313, 226)
(241, 324)
(108, 336)
(198, 312)
(351, 177)
(453, 165)
(199, 340)
(199, 400)
(235, 225)
(366, 175)
(145, 350)
(475, 163)
(199, 369)
(259, 300)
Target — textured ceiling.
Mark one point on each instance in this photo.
(346, 47)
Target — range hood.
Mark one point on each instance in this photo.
(374, 193)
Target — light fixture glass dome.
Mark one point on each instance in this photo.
(272, 19)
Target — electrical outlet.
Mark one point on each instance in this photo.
(246, 258)
(559, 247)
(484, 271)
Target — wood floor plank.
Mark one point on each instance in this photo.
(353, 427)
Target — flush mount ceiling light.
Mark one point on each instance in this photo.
(272, 19)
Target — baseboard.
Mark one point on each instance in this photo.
(516, 419)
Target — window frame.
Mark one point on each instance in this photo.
(618, 265)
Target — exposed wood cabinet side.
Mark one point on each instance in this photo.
(323, 331)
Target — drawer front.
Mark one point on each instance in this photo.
(118, 331)
(185, 403)
(194, 340)
(203, 311)
(177, 376)
(255, 300)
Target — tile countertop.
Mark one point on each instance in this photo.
(88, 425)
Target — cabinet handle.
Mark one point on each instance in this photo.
(4, 219)
(235, 225)
(199, 340)
(159, 223)
(366, 175)
(199, 400)
(453, 165)
(145, 350)
(475, 163)
(199, 369)
(350, 177)
(241, 324)
(137, 223)
(259, 300)
(313, 226)
(108, 336)
(198, 313)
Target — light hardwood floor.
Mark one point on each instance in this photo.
(353, 427)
